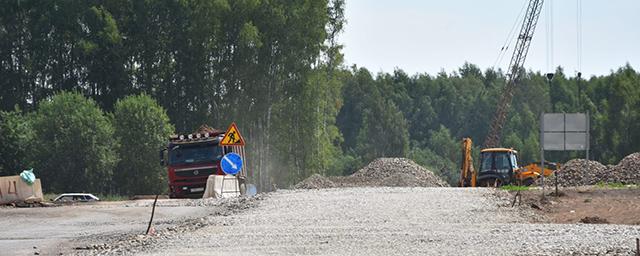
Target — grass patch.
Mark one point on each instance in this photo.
(514, 188)
(614, 185)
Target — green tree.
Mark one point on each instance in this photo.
(74, 146)
(444, 144)
(16, 135)
(141, 128)
(439, 165)
(371, 123)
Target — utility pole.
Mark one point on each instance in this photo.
(549, 77)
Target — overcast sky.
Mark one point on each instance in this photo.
(429, 36)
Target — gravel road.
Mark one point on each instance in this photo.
(55, 230)
(391, 221)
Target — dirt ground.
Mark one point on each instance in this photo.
(589, 204)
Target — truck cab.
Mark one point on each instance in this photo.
(497, 167)
(190, 160)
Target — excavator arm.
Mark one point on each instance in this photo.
(467, 173)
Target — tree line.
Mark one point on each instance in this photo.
(276, 69)
(270, 66)
(73, 145)
(425, 116)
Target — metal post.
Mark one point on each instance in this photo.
(153, 211)
(588, 139)
(549, 77)
(542, 151)
(555, 174)
(579, 92)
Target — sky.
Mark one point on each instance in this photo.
(421, 36)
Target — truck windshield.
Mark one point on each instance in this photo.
(487, 162)
(502, 161)
(497, 161)
(184, 154)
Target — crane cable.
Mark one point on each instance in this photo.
(579, 50)
(579, 35)
(510, 37)
(549, 36)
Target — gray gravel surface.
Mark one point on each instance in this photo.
(55, 230)
(390, 221)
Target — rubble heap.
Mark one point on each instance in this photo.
(382, 172)
(397, 172)
(581, 172)
(627, 171)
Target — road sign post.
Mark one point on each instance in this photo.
(232, 137)
(233, 141)
(231, 163)
(563, 132)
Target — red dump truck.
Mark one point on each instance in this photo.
(190, 159)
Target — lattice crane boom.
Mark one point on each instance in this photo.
(515, 67)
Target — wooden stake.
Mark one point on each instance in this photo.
(153, 211)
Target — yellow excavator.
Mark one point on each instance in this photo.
(527, 175)
(499, 166)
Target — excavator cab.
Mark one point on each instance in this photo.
(497, 167)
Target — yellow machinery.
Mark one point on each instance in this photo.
(528, 174)
(468, 174)
(498, 166)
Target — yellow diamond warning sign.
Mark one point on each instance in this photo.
(232, 137)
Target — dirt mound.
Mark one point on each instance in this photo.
(580, 172)
(382, 172)
(315, 181)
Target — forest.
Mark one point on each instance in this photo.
(91, 90)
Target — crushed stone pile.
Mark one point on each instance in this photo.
(382, 172)
(628, 169)
(398, 172)
(315, 181)
(582, 172)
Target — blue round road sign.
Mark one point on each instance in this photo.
(231, 163)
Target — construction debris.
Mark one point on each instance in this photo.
(382, 172)
(581, 172)
(628, 169)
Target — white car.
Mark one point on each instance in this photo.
(76, 197)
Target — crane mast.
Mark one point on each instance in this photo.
(515, 66)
